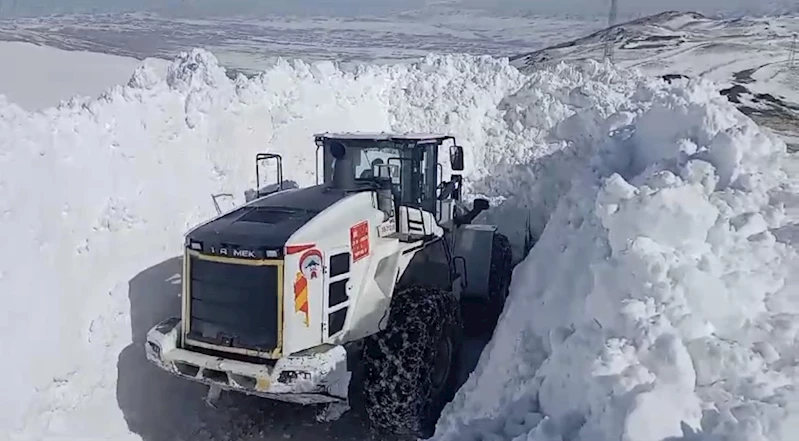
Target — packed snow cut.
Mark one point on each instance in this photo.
(659, 302)
(656, 303)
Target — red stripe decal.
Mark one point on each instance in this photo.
(300, 284)
(294, 249)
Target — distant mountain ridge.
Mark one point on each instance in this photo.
(747, 56)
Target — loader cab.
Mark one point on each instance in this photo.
(408, 165)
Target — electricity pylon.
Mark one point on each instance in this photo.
(614, 8)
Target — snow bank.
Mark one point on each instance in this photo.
(658, 303)
(655, 295)
(96, 191)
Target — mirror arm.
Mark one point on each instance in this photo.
(456, 157)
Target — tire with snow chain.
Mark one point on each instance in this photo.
(410, 368)
(483, 315)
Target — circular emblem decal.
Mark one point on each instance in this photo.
(311, 264)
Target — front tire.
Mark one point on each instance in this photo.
(410, 368)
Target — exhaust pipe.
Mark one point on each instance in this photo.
(343, 170)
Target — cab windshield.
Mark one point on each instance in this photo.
(417, 164)
(365, 159)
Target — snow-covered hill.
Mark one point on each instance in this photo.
(41, 76)
(250, 44)
(747, 57)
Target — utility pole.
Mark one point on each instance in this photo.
(614, 8)
(792, 56)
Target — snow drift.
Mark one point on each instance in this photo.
(658, 303)
(656, 295)
(96, 191)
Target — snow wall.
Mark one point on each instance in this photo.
(656, 298)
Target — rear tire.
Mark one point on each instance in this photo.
(500, 276)
(420, 344)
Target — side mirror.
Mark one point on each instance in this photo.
(456, 157)
(480, 204)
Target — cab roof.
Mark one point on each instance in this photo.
(385, 136)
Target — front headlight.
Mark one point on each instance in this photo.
(155, 348)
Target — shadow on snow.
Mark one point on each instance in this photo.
(161, 407)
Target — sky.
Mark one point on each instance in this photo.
(368, 7)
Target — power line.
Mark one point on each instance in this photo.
(609, 43)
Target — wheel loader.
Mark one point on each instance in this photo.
(367, 272)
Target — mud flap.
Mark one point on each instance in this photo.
(212, 398)
(332, 412)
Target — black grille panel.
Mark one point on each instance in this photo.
(234, 305)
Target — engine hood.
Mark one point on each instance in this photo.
(264, 224)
